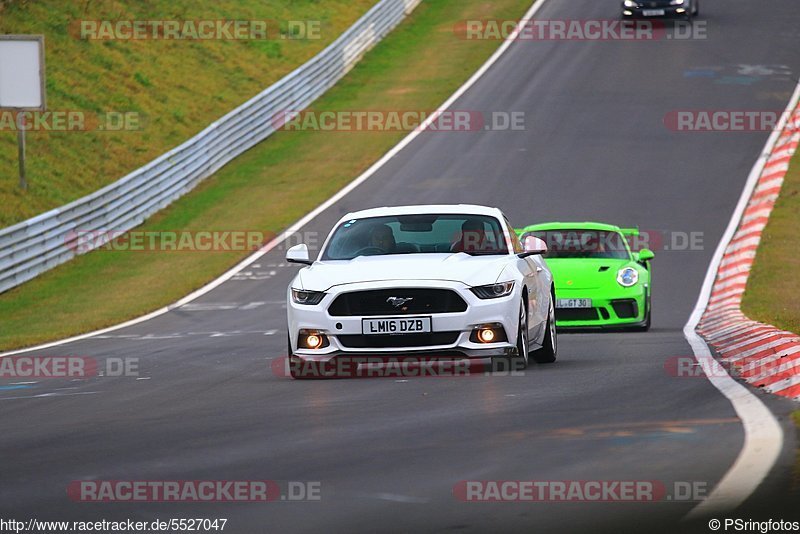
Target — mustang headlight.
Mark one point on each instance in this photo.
(309, 298)
(631, 3)
(493, 291)
(627, 276)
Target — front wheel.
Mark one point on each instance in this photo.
(518, 362)
(648, 312)
(549, 350)
(295, 365)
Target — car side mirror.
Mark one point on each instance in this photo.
(298, 254)
(533, 246)
(645, 255)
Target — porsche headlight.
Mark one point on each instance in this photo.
(627, 276)
(676, 2)
(493, 291)
(309, 298)
(631, 3)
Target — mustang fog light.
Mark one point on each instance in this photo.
(488, 333)
(311, 339)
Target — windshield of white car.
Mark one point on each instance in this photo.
(583, 244)
(417, 234)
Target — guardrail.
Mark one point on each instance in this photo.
(32, 247)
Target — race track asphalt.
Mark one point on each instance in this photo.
(388, 453)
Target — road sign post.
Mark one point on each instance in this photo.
(23, 182)
(22, 85)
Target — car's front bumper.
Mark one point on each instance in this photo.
(611, 308)
(459, 325)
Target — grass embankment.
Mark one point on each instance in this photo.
(415, 68)
(773, 289)
(177, 86)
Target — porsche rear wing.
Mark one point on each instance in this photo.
(630, 232)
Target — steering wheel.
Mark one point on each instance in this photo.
(367, 250)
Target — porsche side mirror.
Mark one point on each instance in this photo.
(646, 255)
(298, 254)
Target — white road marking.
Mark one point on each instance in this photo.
(43, 395)
(210, 306)
(763, 435)
(394, 497)
(252, 305)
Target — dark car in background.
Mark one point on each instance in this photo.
(660, 8)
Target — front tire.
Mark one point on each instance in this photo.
(549, 350)
(519, 362)
(294, 367)
(647, 315)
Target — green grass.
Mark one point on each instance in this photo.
(179, 86)
(415, 68)
(774, 285)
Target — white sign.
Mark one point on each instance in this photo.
(22, 72)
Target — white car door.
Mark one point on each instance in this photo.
(535, 277)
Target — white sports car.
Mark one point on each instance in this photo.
(449, 280)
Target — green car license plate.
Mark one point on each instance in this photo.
(574, 303)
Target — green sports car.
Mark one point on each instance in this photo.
(600, 282)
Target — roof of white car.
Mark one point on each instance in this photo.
(465, 209)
